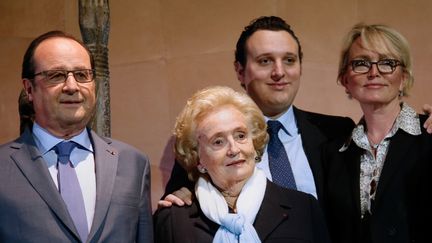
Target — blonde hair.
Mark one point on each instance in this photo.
(200, 105)
(381, 39)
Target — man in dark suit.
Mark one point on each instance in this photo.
(96, 191)
(268, 61)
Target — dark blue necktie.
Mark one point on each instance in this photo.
(280, 167)
(70, 189)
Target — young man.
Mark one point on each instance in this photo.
(268, 65)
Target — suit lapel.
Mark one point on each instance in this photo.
(312, 140)
(275, 208)
(34, 168)
(106, 160)
(400, 145)
(352, 161)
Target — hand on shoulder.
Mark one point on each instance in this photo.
(180, 198)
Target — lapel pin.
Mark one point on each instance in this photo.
(111, 152)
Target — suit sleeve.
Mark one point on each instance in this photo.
(145, 222)
(177, 180)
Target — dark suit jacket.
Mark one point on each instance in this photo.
(315, 129)
(285, 216)
(400, 207)
(32, 210)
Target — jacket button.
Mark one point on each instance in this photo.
(392, 231)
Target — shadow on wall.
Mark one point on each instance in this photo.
(26, 112)
(167, 161)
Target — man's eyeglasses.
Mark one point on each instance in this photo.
(385, 66)
(60, 76)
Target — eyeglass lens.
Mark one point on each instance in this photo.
(59, 76)
(384, 66)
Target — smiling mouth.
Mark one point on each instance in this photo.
(71, 102)
(374, 85)
(237, 162)
(278, 85)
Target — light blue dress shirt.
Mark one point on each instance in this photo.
(81, 157)
(292, 142)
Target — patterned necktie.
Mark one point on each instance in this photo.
(280, 167)
(70, 189)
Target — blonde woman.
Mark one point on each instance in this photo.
(370, 177)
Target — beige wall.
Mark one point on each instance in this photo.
(161, 51)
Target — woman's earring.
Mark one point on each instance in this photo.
(348, 94)
(257, 157)
(201, 169)
(401, 93)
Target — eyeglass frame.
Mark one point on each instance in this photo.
(44, 73)
(393, 67)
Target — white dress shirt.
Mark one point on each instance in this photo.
(81, 157)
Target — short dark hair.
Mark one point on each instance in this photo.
(273, 23)
(28, 65)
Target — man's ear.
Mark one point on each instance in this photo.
(28, 88)
(239, 69)
(343, 80)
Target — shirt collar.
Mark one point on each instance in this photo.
(46, 141)
(288, 121)
(407, 120)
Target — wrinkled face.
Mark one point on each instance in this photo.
(272, 73)
(63, 109)
(225, 146)
(372, 87)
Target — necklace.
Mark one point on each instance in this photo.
(232, 206)
(231, 201)
(372, 144)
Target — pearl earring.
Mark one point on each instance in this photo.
(202, 170)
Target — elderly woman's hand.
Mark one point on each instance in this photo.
(180, 198)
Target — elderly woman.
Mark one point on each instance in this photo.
(374, 178)
(220, 135)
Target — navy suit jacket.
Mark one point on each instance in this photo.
(284, 216)
(32, 210)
